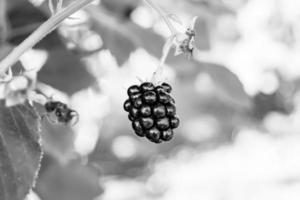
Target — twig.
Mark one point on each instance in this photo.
(40, 33)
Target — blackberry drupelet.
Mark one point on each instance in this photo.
(152, 111)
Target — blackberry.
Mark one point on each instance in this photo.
(63, 114)
(152, 111)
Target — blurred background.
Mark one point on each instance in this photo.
(238, 99)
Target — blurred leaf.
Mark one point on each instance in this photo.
(229, 87)
(3, 24)
(217, 7)
(58, 141)
(123, 8)
(208, 8)
(69, 182)
(20, 150)
(124, 37)
(64, 71)
(24, 18)
(114, 34)
(202, 40)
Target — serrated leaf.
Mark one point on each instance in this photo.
(20, 150)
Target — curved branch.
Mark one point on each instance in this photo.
(47, 27)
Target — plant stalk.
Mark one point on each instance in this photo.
(47, 27)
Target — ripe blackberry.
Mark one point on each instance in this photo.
(152, 111)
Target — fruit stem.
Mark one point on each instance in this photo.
(157, 75)
(47, 27)
(163, 15)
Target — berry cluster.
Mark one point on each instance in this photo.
(63, 114)
(152, 111)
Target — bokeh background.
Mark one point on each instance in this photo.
(238, 100)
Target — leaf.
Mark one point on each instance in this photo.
(3, 25)
(20, 150)
(68, 182)
(229, 87)
(123, 8)
(114, 33)
(58, 141)
(202, 40)
(65, 71)
(24, 18)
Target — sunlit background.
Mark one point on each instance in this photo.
(238, 101)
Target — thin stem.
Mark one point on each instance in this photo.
(157, 76)
(163, 15)
(40, 33)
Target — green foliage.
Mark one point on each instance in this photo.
(20, 150)
(210, 96)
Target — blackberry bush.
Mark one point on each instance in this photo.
(152, 111)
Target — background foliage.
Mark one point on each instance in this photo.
(238, 101)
